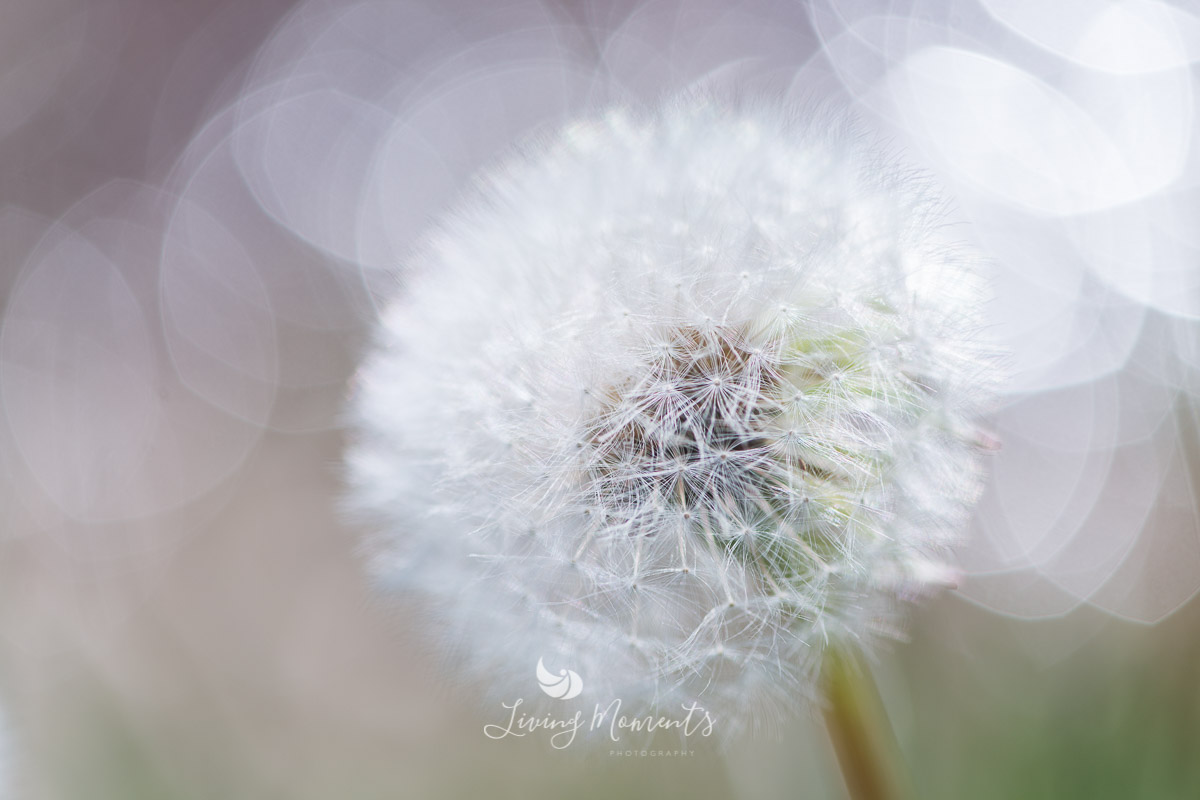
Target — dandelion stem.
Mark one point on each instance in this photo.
(859, 729)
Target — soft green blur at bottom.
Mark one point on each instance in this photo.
(984, 707)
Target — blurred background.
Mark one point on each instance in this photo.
(201, 205)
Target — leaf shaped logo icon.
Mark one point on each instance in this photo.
(565, 685)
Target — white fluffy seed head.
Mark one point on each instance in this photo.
(676, 400)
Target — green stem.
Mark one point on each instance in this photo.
(859, 729)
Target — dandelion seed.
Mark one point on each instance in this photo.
(757, 364)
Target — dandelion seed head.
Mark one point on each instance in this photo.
(677, 399)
